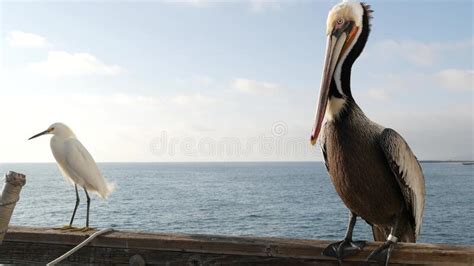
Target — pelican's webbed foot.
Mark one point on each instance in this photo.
(343, 249)
(382, 254)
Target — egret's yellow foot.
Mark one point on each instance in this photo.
(87, 228)
(82, 229)
(65, 228)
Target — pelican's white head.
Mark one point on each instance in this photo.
(345, 12)
(347, 29)
(58, 130)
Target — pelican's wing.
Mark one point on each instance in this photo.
(323, 149)
(325, 155)
(80, 163)
(407, 171)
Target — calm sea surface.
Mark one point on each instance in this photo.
(259, 199)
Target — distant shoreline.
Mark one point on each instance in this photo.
(446, 161)
(224, 162)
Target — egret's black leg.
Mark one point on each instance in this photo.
(382, 253)
(346, 247)
(75, 207)
(88, 206)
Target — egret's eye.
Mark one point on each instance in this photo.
(340, 21)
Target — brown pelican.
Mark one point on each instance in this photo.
(372, 168)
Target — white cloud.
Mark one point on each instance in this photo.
(61, 63)
(418, 52)
(456, 79)
(261, 5)
(134, 100)
(23, 39)
(450, 79)
(195, 81)
(135, 121)
(202, 128)
(196, 99)
(193, 3)
(257, 87)
(440, 133)
(256, 6)
(100, 121)
(202, 80)
(413, 51)
(117, 100)
(378, 94)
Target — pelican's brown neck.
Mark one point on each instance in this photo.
(341, 79)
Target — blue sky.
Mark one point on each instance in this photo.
(204, 80)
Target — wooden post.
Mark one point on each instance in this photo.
(8, 199)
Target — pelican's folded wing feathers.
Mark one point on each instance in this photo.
(407, 171)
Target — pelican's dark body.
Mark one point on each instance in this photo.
(361, 174)
(372, 168)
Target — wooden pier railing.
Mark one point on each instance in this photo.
(42, 245)
(9, 196)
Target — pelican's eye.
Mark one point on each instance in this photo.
(340, 21)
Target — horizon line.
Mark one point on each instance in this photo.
(256, 161)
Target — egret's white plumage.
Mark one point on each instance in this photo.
(76, 164)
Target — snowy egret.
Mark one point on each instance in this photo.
(77, 166)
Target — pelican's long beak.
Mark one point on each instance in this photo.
(337, 43)
(40, 134)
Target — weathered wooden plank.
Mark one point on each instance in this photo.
(41, 245)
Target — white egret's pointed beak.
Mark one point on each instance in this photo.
(40, 134)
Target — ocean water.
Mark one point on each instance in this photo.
(294, 199)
